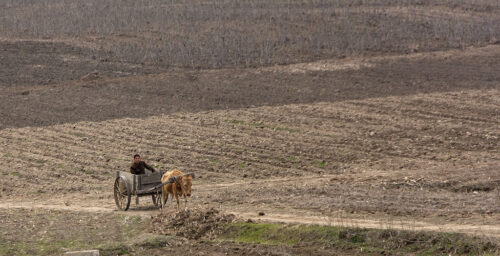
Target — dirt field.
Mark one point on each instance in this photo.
(403, 140)
(411, 160)
(99, 97)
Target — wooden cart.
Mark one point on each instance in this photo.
(128, 185)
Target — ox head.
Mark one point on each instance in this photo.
(186, 182)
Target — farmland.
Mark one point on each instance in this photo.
(368, 121)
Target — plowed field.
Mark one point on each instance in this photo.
(394, 142)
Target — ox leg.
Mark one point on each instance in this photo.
(174, 190)
(164, 198)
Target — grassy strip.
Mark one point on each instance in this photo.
(105, 248)
(373, 241)
(122, 235)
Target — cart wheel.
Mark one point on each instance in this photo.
(122, 194)
(156, 199)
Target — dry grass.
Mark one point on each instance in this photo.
(215, 34)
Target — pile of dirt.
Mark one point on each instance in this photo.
(190, 223)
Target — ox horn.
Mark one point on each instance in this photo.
(189, 174)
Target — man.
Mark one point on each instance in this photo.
(138, 166)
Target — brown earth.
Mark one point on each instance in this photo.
(86, 90)
(407, 142)
(425, 157)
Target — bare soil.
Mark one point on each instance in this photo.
(95, 93)
(424, 157)
(400, 142)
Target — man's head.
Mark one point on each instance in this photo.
(137, 158)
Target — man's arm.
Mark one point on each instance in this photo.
(149, 167)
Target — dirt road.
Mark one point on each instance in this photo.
(146, 211)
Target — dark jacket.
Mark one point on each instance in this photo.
(138, 168)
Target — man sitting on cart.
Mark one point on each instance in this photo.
(138, 166)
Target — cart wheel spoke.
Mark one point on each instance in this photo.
(121, 193)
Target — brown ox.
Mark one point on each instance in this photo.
(180, 184)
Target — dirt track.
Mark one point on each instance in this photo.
(145, 210)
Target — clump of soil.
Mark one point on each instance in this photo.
(91, 76)
(190, 223)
